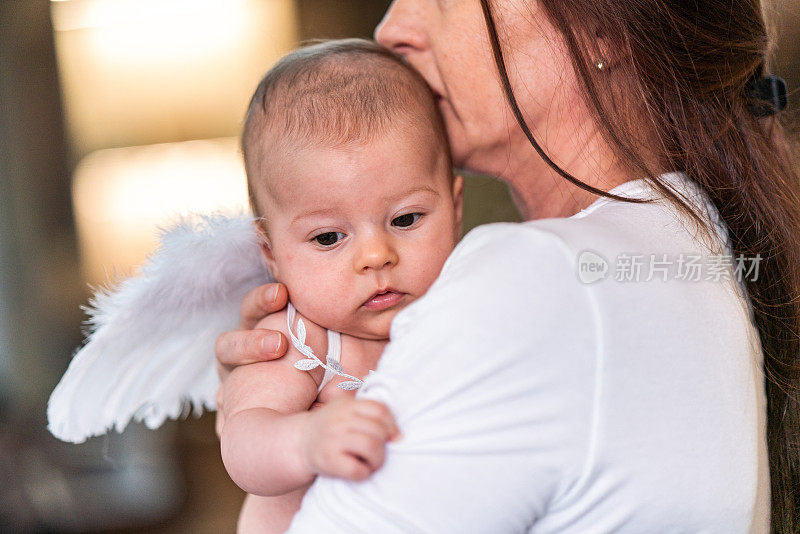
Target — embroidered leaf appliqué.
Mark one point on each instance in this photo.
(349, 385)
(306, 365)
(301, 331)
(336, 367)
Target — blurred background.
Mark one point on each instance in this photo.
(114, 116)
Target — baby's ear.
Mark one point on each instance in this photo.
(266, 249)
(458, 198)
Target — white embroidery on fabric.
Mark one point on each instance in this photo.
(312, 362)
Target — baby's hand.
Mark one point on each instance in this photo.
(347, 437)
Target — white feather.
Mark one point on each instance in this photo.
(149, 353)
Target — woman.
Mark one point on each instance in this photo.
(548, 382)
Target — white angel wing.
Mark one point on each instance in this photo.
(149, 354)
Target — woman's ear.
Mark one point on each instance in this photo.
(458, 199)
(266, 249)
(607, 54)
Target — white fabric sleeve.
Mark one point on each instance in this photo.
(492, 378)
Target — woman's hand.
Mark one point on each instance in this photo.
(346, 438)
(248, 345)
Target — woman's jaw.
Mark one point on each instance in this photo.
(484, 135)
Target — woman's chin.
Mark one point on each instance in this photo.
(462, 156)
(471, 162)
(473, 159)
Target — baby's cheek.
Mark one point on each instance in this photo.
(320, 298)
(428, 267)
(316, 308)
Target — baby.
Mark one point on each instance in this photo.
(350, 175)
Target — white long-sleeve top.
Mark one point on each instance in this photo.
(531, 400)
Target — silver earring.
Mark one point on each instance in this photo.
(600, 63)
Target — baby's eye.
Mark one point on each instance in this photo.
(328, 238)
(406, 220)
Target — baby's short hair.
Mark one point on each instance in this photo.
(333, 94)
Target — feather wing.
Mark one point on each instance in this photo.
(149, 353)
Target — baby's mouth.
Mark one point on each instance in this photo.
(384, 299)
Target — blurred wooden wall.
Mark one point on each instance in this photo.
(40, 292)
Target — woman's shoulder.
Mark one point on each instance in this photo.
(499, 274)
(554, 239)
(501, 249)
(519, 261)
(506, 337)
(506, 237)
(558, 247)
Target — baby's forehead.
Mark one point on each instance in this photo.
(340, 99)
(391, 164)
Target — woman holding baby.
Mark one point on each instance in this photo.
(571, 373)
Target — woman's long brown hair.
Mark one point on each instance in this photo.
(675, 96)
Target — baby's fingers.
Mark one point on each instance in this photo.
(380, 413)
(369, 449)
(381, 430)
(353, 468)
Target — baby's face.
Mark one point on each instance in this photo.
(358, 233)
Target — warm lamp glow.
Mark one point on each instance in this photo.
(148, 75)
(138, 72)
(122, 195)
(146, 31)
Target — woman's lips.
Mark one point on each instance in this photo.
(385, 300)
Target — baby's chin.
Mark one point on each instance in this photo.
(372, 325)
(360, 322)
(376, 328)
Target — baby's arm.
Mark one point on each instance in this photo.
(265, 411)
(271, 443)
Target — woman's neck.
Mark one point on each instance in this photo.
(539, 191)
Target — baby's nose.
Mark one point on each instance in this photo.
(376, 252)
